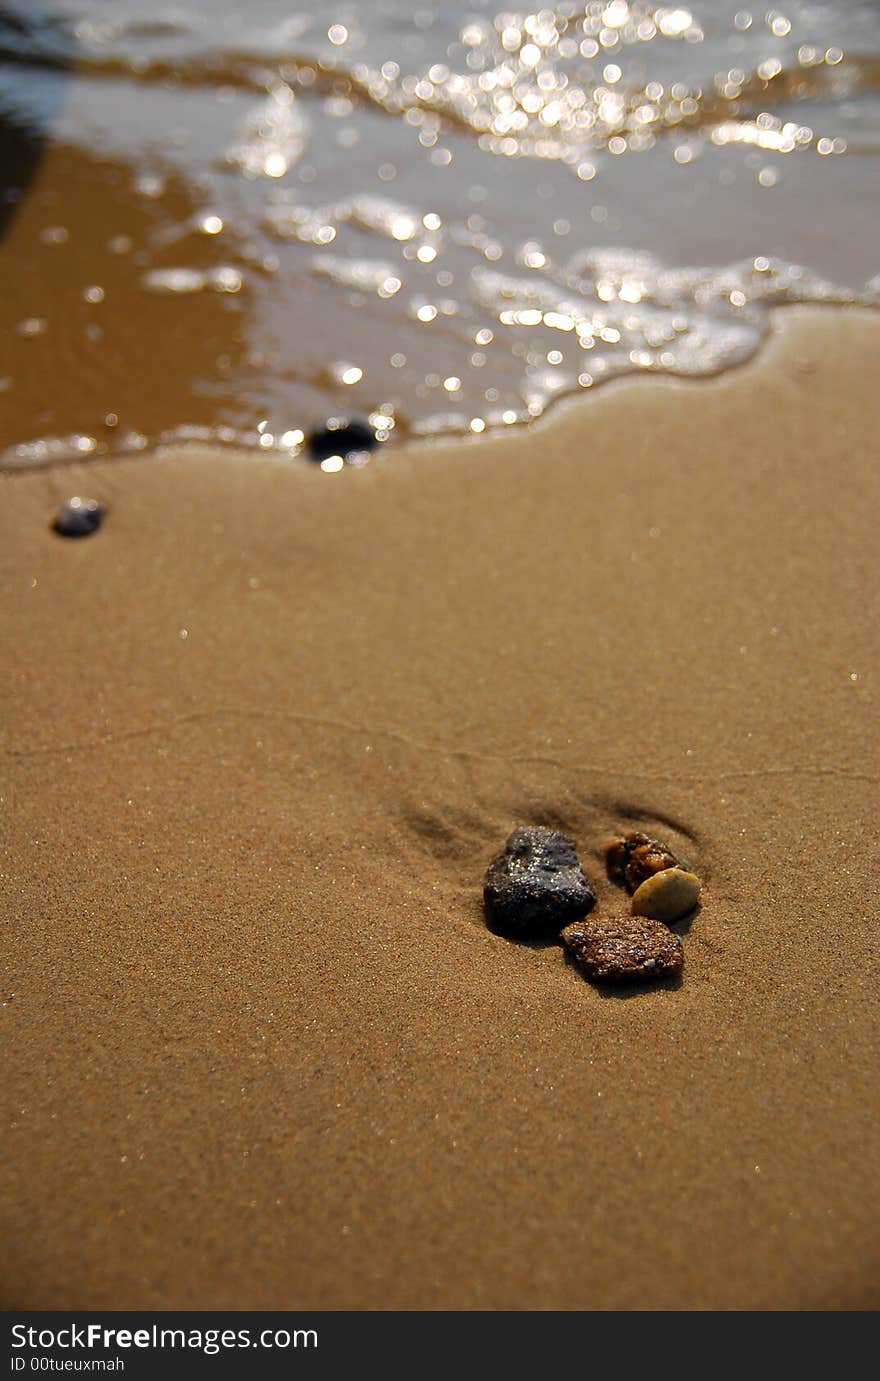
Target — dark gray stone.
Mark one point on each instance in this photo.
(536, 885)
(79, 517)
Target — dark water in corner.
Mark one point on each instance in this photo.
(231, 221)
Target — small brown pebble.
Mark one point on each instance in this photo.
(624, 949)
(637, 856)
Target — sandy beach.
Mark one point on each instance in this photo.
(262, 734)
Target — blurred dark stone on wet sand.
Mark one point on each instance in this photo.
(79, 517)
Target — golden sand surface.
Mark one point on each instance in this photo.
(262, 734)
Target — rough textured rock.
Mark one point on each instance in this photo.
(79, 517)
(667, 895)
(342, 436)
(536, 885)
(624, 949)
(636, 857)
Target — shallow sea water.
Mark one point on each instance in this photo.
(230, 222)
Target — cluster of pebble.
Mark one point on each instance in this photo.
(536, 889)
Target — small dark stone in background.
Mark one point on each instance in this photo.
(536, 885)
(636, 857)
(79, 517)
(624, 949)
(342, 436)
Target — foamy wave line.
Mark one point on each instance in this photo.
(49, 451)
(708, 357)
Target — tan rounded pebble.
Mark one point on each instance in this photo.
(667, 895)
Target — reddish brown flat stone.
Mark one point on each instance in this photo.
(624, 949)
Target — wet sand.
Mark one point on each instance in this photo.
(261, 1050)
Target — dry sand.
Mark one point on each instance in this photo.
(260, 1048)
